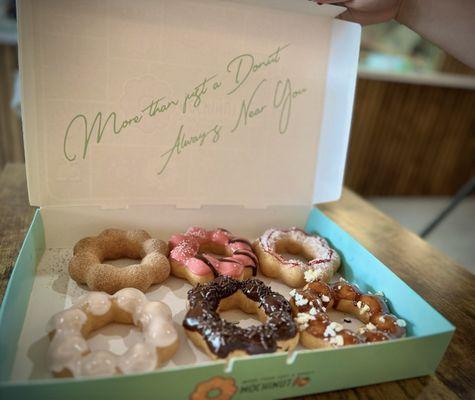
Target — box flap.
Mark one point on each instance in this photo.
(185, 102)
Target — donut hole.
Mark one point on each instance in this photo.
(240, 318)
(122, 254)
(291, 249)
(114, 337)
(122, 249)
(347, 320)
(214, 249)
(239, 309)
(123, 262)
(214, 393)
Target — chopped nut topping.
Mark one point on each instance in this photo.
(300, 300)
(370, 327)
(337, 340)
(401, 323)
(304, 318)
(363, 307)
(336, 326)
(326, 299)
(329, 331)
(311, 275)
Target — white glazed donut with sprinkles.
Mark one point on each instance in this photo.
(322, 261)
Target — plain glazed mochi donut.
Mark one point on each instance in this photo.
(310, 307)
(193, 255)
(221, 339)
(70, 355)
(87, 265)
(322, 262)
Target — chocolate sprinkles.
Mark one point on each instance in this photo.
(223, 337)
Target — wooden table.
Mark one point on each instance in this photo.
(444, 284)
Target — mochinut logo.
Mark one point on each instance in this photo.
(216, 388)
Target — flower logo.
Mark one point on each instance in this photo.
(301, 381)
(216, 388)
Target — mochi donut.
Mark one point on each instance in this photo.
(221, 339)
(87, 265)
(193, 255)
(69, 353)
(322, 262)
(310, 306)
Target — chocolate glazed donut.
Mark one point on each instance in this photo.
(222, 339)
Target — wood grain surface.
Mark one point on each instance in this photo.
(411, 139)
(444, 284)
(11, 141)
(15, 218)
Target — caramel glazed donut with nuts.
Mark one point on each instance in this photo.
(69, 353)
(310, 306)
(87, 265)
(323, 261)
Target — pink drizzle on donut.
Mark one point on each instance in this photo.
(185, 249)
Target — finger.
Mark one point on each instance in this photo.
(362, 18)
(346, 16)
(337, 2)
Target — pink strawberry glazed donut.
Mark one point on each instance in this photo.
(199, 255)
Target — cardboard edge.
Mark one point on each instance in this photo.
(304, 361)
(24, 25)
(303, 6)
(15, 302)
(339, 95)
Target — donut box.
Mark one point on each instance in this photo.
(167, 114)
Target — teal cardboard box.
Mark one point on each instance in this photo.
(161, 115)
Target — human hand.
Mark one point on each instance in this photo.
(367, 12)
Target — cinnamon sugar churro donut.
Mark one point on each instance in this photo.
(221, 339)
(87, 265)
(200, 255)
(322, 261)
(69, 353)
(310, 307)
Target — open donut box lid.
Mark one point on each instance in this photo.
(186, 103)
